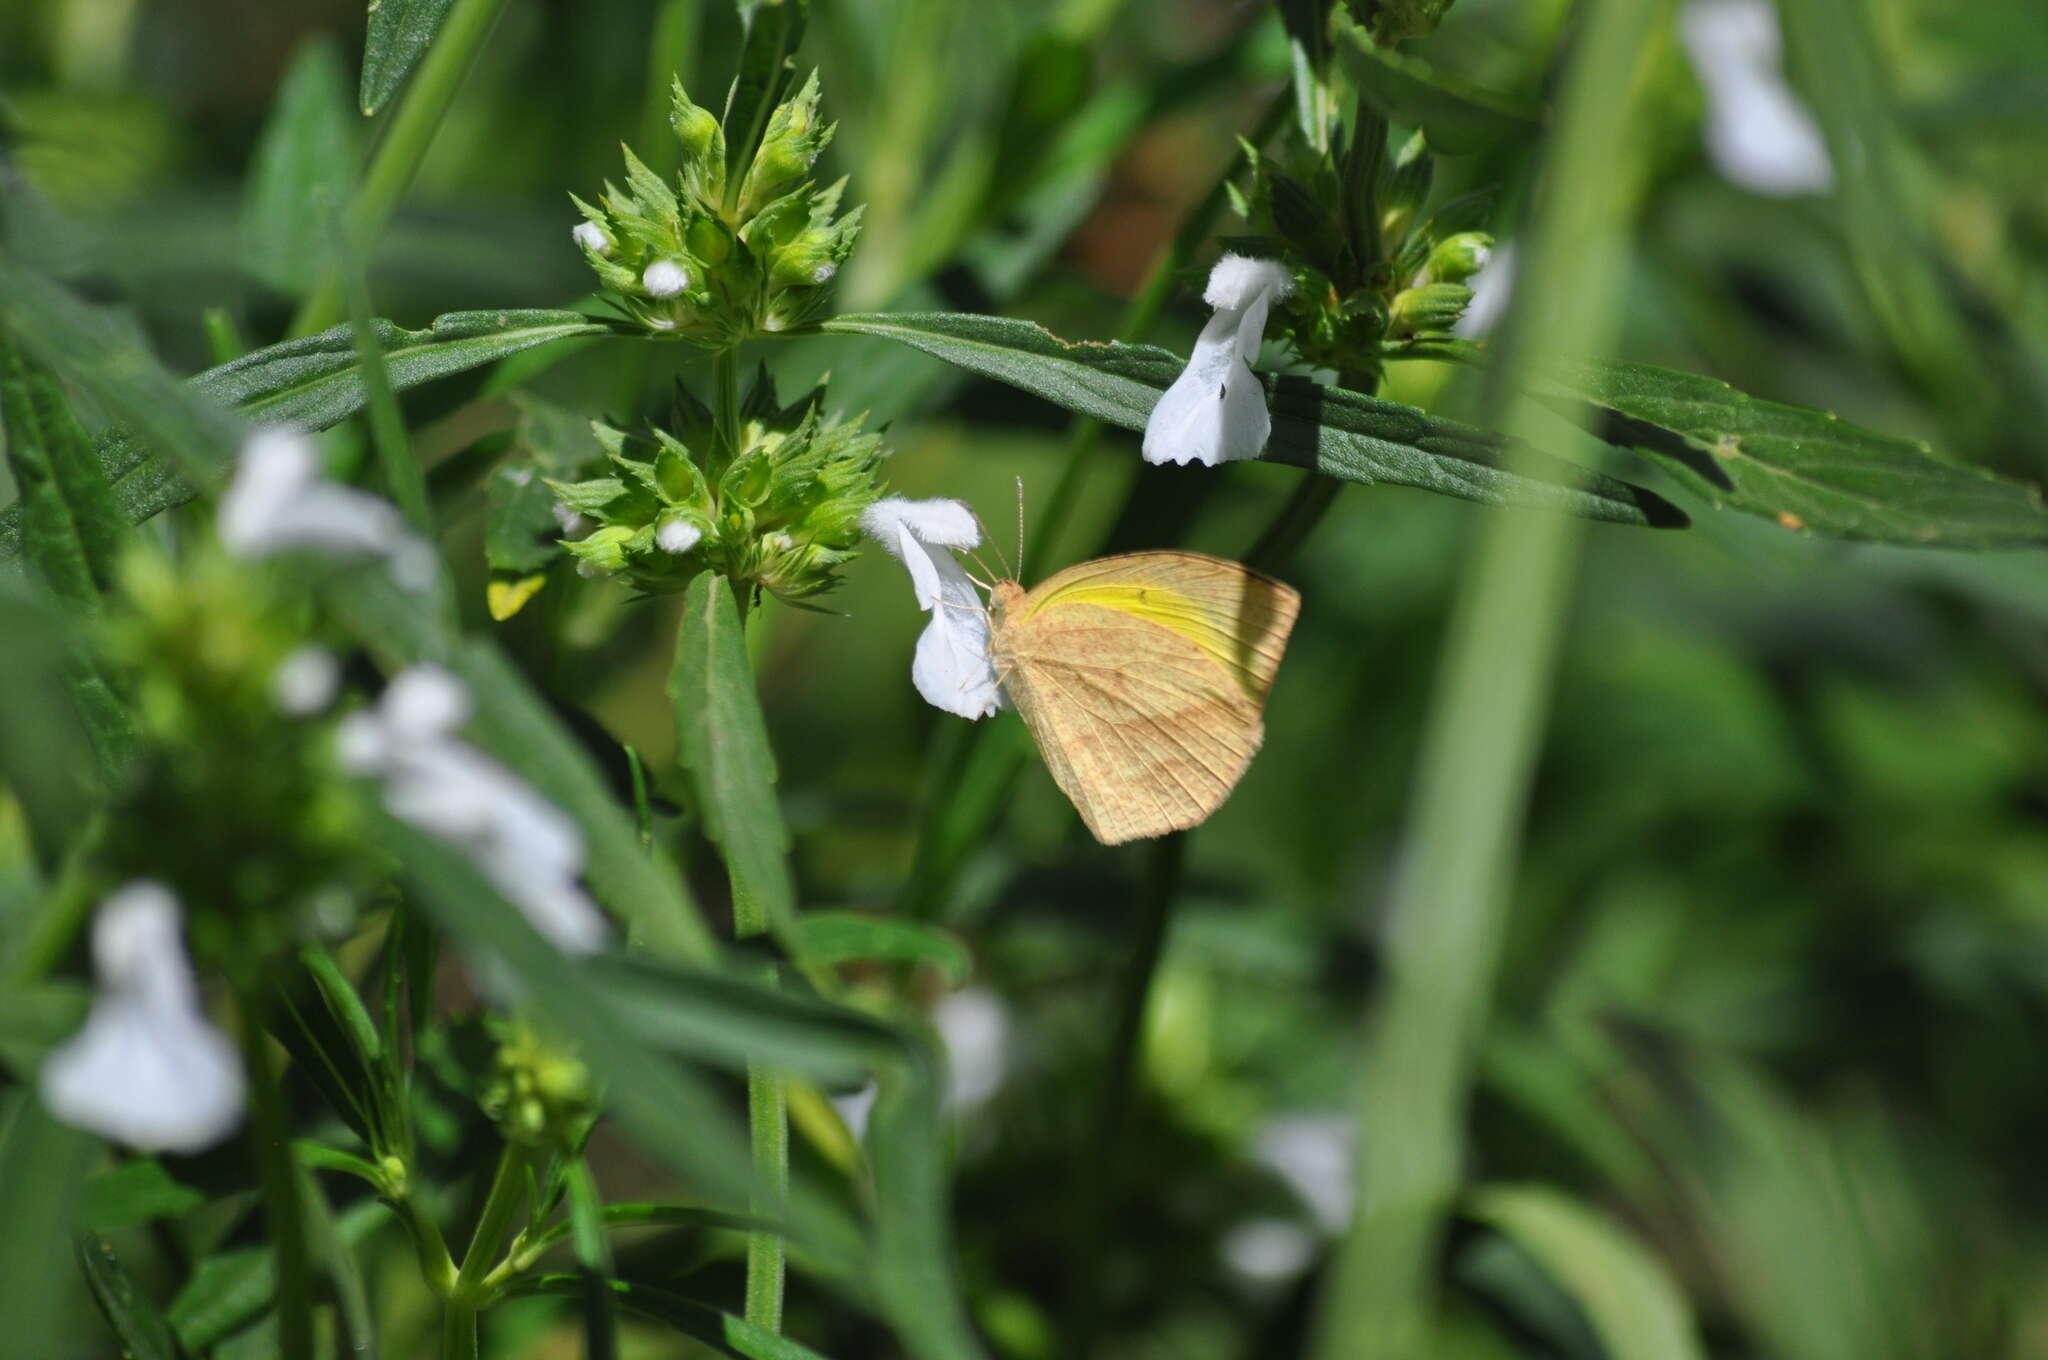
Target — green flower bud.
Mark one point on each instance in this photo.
(1457, 258)
(703, 145)
(1429, 307)
(539, 1093)
(789, 145)
(602, 551)
(709, 241)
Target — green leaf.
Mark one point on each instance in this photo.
(1454, 114)
(232, 1288)
(653, 1216)
(399, 33)
(311, 383)
(40, 1164)
(1634, 1307)
(46, 756)
(828, 938)
(1343, 434)
(1804, 468)
(72, 531)
(773, 28)
(320, 1157)
(143, 1332)
(723, 1332)
(722, 742)
(594, 1254)
(303, 172)
(137, 1191)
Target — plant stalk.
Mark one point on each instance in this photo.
(1106, 1148)
(767, 1099)
(284, 1213)
(467, 1296)
(406, 138)
(1448, 906)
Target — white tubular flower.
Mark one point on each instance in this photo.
(149, 1069)
(1491, 288)
(1759, 135)
(281, 501)
(952, 669)
(1216, 409)
(677, 536)
(665, 278)
(529, 849)
(974, 1025)
(305, 682)
(1313, 1154)
(592, 238)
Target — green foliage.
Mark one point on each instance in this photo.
(399, 31)
(1339, 433)
(1700, 872)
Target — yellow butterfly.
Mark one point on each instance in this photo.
(1142, 678)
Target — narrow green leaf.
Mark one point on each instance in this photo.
(594, 1254)
(302, 174)
(829, 938)
(1333, 431)
(722, 742)
(668, 1109)
(320, 1157)
(1804, 468)
(1454, 114)
(773, 28)
(312, 383)
(41, 1161)
(46, 756)
(136, 1191)
(1634, 1307)
(653, 1216)
(72, 531)
(343, 1002)
(143, 1332)
(399, 33)
(724, 1333)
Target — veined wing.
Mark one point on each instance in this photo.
(1142, 679)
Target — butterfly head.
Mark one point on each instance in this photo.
(1003, 596)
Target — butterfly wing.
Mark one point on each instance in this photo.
(1142, 678)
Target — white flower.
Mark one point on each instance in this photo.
(824, 272)
(305, 682)
(854, 1108)
(1216, 409)
(591, 237)
(665, 278)
(574, 523)
(677, 536)
(952, 669)
(1491, 288)
(1267, 1251)
(281, 501)
(149, 1069)
(1758, 133)
(1312, 1153)
(529, 849)
(974, 1025)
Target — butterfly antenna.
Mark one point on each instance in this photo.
(1020, 528)
(975, 557)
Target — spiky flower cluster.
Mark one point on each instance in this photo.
(539, 1092)
(780, 511)
(1372, 273)
(724, 256)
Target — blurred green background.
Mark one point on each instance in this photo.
(1775, 989)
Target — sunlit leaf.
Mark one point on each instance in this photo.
(829, 938)
(1337, 432)
(1804, 468)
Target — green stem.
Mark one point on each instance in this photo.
(285, 1214)
(402, 475)
(406, 138)
(767, 1100)
(1107, 1145)
(1449, 904)
(468, 1294)
(437, 1266)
